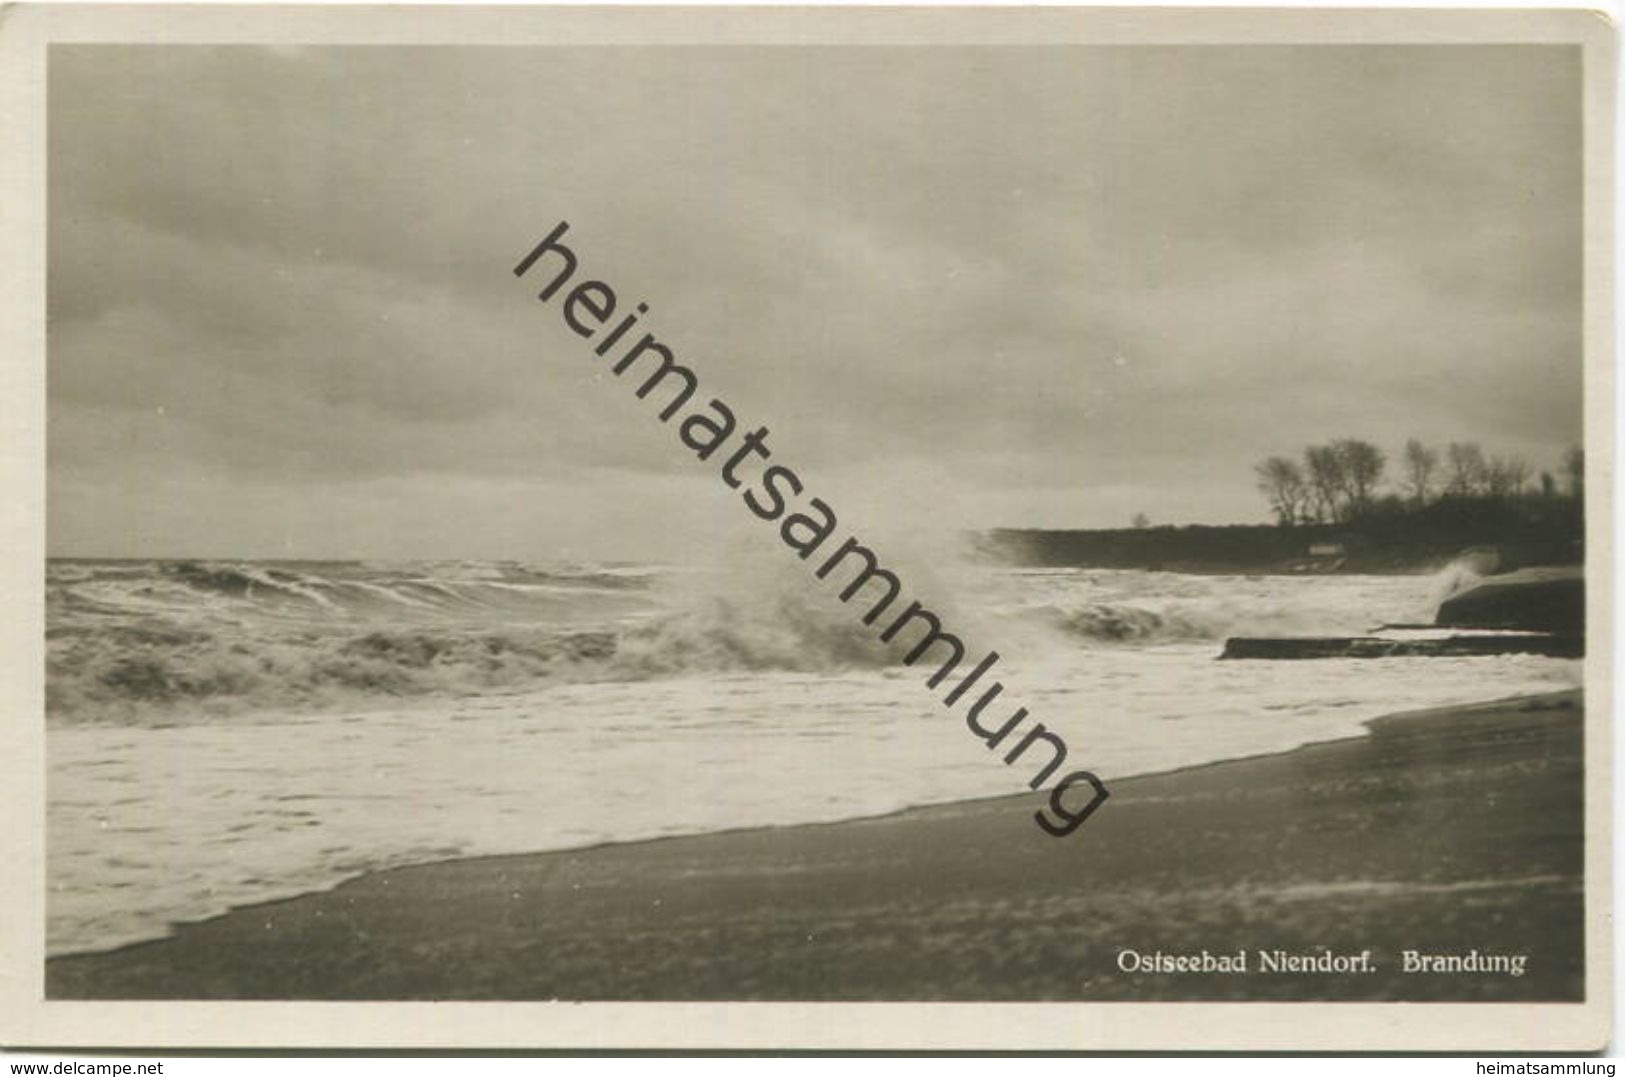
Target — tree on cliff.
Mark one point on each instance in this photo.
(1505, 476)
(1362, 464)
(1341, 482)
(1464, 468)
(1324, 474)
(1421, 464)
(1282, 483)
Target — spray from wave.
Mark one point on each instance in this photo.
(1464, 572)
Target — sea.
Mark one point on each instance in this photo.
(221, 733)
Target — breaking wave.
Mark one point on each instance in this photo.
(1208, 619)
(131, 672)
(344, 590)
(165, 641)
(148, 642)
(1130, 624)
(718, 635)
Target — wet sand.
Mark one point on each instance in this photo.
(1442, 832)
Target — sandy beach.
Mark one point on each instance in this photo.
(1443, 832)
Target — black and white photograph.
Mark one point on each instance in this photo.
(854, 512)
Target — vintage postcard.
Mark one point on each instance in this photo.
(808, 528)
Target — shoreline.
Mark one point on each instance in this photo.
(990, 799)
(806, 911)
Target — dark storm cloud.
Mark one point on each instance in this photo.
(1069, 283)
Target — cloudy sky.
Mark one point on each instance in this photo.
(963, 287)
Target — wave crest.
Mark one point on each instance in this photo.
(719, 635)
(1126, 624)
(146, 671)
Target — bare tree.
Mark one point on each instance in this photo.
(1362, 465)
(1282, 482)
(1421, 464)
(1517, 472)
(1141, 521)
(1323, 470)
(1505, 476)
(1464, 468)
